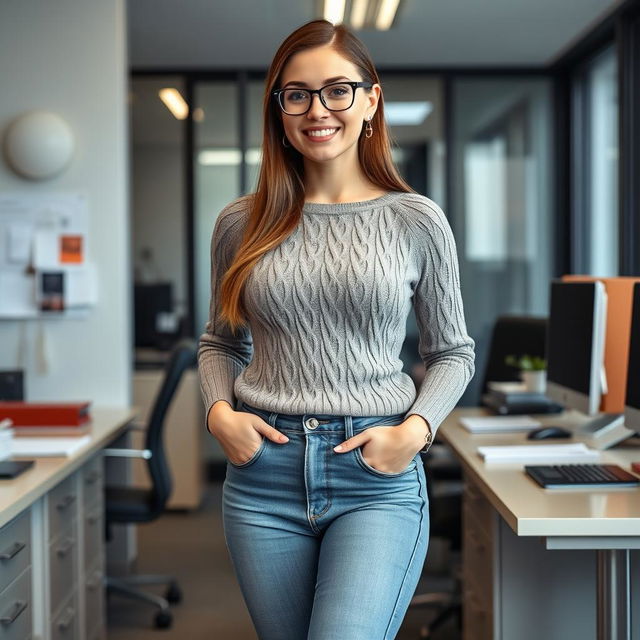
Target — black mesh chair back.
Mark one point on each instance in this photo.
(182, 358)
(513, 335)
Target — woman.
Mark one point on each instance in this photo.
(325, 505)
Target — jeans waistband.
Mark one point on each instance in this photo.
(324, 421)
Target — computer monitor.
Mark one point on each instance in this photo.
(150, 301)
(575, 344)
(632, 402)
(576, 377)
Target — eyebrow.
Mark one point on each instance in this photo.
(327, 81)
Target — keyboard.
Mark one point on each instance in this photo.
(581, 475)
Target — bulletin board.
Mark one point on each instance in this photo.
(44, 267)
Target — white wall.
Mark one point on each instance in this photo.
(69, 56)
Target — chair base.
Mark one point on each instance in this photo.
(125, 587)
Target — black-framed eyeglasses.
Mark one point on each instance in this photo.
(337, 96)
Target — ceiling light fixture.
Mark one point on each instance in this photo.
(229, 157)
(407, 113)
(386, 14)
(334, 11)
(362, 14)
(358, 13)
(174, 102)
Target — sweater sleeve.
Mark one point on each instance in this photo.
(222, 355)
(444, 344)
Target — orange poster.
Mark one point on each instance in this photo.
(71, 249)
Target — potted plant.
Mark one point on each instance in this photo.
(533, 371)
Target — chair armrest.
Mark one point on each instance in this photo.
(128, 453)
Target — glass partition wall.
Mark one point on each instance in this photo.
(159, 227)
(217, 159)
(502, 207)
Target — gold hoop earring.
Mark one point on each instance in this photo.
(368, 130)
(284, 142)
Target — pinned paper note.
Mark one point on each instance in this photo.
(19, 236)
(17, 295)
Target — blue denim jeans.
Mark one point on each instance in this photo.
(325, 546)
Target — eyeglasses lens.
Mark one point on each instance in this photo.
(336, 97)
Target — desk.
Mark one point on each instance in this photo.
(52, 551)
(545, 563)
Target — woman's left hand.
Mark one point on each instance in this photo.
(388, 449)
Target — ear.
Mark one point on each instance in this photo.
(372, 97)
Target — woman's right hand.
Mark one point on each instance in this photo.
(239, 432)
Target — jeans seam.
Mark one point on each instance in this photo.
(413, 553)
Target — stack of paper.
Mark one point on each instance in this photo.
(499, 424)
(539, 454)
(33, 447)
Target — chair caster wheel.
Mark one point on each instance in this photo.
(163, 620)
(174, 593)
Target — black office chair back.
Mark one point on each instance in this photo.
(182, 358)
(513, 335)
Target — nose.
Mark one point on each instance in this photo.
(317, 109)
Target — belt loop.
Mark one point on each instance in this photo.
(348, 427)
(272, 419)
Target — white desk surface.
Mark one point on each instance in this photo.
(531, 510)
(19, 493)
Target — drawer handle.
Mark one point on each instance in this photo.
(92, 477)
(19, 607)
(68, 499)
(62, 551)
(95, 582)
(63, 625)
(17, 547)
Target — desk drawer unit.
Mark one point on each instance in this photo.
(94, 602)
(478, 564)
(65, 625)
(93, 536)
(93, 482)
(63, 505)
(15, 548)
(16, 609)
(63, 563)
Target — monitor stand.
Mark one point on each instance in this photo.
(604, 430)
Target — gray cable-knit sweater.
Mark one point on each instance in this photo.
(328, 308)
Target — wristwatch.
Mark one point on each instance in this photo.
(428, 439)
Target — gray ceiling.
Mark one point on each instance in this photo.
(172, 34)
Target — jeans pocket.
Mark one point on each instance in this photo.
(379, 421)
(382, 474)
(253, 458)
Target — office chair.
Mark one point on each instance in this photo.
(510, 335)
(127, 504)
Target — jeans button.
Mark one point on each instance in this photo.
(312, 423)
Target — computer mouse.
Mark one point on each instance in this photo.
(548, 432)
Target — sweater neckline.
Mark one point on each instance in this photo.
(349, 207)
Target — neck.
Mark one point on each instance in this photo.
(341, 180)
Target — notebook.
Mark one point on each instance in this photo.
(539, 453)
(499, 424)
(34, 447)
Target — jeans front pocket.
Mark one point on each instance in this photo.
(382, 474)
(380, 421)
(253, 458)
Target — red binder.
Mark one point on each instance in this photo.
(46, 414)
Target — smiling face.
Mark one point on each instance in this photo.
(321, 135)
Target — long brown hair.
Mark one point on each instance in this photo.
(275, 208)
